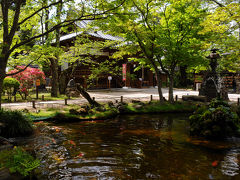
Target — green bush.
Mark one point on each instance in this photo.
(10, 85)
(214, 121)
(14, 124)
(18, 160)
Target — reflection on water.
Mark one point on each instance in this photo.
(138, 147)
(230, 165)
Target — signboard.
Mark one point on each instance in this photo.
(38, 82)
(124, 71)
(198, 79)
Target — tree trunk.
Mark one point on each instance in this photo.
(170, 89)
(2, 75)
(183, 76)
(1, 89)
(87, 96)
(159, 84)
(54, 81)
(63, 79)
(45, 3)
(54, 62)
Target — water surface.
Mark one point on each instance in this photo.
(140, 147)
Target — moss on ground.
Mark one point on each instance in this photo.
(156, 107)
(107, 112)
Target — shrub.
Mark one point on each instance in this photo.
(18, 160)
(10, 85)
(214, 121)
(28, 77)
(14, 124)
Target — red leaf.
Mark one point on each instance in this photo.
(80, 155)
(214, 163)
(72, 142)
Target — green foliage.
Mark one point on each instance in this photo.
(214, 121)
(218, 102)
(222, 28)
(18, 160)
(162, 33)
(15, 124)
(10, 85)
(156, 107)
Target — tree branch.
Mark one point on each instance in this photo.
(141, 44)
(15, 21)
(5, 7)
(218, 3)
(66, 23)
(33, 14)
(161, 65)
(21, 70)
(69, 22)
(145, 16)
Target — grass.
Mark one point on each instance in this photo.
(47, 97)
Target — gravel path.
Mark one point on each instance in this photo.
(111, 95)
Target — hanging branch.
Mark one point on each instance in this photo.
(21, 70)
(218, 3)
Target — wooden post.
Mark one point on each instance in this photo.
(15, 98)
(36, 92)
(176, 97)
(116, 101)
(121, 99)
(238, 102)
(42, 97)
(151, 97)
(33, 104)
(65, 101)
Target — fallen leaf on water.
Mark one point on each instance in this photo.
(83, 133)
(56, 158)
(72, 142)
(214, 163)
(80, 155)
(54, 141)
(40, 122)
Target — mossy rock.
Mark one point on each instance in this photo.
(215, 121)
(81, 111)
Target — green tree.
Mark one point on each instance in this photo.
(166, 32)
(222, 26)
(31, 11)
(11, 85)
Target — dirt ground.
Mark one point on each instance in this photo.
(113, 95)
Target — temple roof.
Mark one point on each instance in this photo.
(95, 33)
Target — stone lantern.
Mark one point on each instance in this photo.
(213, 86)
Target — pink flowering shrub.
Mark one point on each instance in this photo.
(28, 77)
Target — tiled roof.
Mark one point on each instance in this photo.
(98, 34)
